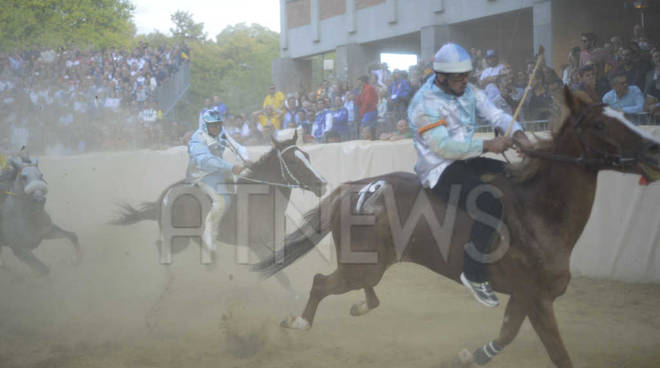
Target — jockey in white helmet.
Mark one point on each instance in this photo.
(442, 117)
(210, 171)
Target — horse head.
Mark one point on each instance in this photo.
(29, 181)
(603, 139)
(296, 167)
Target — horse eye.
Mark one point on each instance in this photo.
(600, 125)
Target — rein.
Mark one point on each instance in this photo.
(291, 181)
(584, 160)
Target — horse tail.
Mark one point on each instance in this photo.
(129, 215)
(317, 224)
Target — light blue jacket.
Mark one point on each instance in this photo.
(632, 102)
(206, 154)
(437, 148)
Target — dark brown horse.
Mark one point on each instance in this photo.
(547, 200)
(260, 213)
(24, 222)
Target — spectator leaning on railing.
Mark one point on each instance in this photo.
(624, 98)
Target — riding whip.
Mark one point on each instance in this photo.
(529, 85)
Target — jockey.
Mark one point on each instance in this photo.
(210, 171)
(442, 117)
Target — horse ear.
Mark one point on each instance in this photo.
(24, 154)
(276, 143)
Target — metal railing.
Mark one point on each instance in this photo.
(542, 125)
(173, 88)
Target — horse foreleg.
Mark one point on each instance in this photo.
(516, 311)
(57, 232)
(542, 317)
(371, 302)
(38, 267)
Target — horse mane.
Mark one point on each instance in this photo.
(265, 157)
(261, 162)
(527, 169)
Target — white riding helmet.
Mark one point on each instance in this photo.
(452, 58)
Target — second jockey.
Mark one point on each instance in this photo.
(211, 171)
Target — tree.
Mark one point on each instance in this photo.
(185, 27)
(235, 67)
(52, 23)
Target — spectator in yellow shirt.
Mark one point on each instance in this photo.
(268, 117)
(275, 99)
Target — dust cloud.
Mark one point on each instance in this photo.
(122, 308)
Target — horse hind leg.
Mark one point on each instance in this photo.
(371, 302)
(57, 232)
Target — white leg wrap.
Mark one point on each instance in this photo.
(359, 309)
(296, 323)
(213, 218)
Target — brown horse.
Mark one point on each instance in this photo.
(278, 171)
(547, 200)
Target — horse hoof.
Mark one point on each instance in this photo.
(465, 358)
(359, 309)
(295, 323)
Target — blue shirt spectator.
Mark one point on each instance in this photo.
(220, 107)
(625, 98)
(400, 89)
(339, 118)
(318, 128)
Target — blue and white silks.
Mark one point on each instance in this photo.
(444, 144)
(206, 163)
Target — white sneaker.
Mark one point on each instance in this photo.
(481, 291)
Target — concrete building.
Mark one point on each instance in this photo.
(359, 30)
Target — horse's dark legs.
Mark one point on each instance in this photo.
(516, 311)
(58, 233)
(38, 267)
(323, 286)
(371, 302)
(542, 317)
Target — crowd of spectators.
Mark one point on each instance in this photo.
(67, 97)
(623, 75)
(80, 100)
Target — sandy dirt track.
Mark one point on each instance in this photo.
(96, 314)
